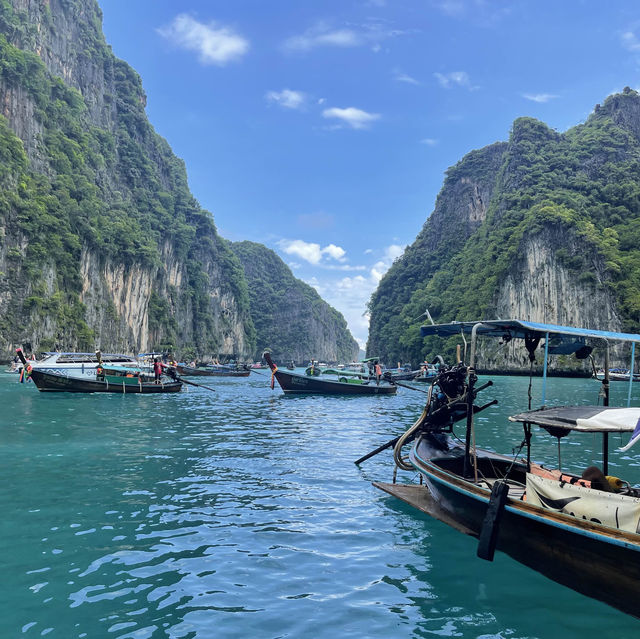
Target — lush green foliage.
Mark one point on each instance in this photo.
(106, 182)
(582, 188)
(291, 319)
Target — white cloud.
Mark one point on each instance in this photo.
(350, 294)
(399, 76)
(287, 98)
(311, 251)
(630, 41)
(393, 251)
(453, 79)
(335, 252)
(389, 254)
(378, 270)
(322, 36)
(539, 97)
(215, 44)
(355, 118)
(325, 35)
(429, 141)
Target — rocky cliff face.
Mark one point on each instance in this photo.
(460, 210)
(103, 245)
(117, 275)
(291, 319)
(540, 228)
(540, 286)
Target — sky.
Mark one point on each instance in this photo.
(323, 129)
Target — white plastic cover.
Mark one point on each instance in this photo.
(610, 509)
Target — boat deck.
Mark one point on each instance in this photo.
(419, 497)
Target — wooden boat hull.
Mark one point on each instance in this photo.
(50, 382)
(292, 383)
(425, 378)
(188, 371)
(594, 560)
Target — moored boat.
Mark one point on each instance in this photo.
(213, 370)
(294, 383)
(80, 365)
(102, 384)
(580, 529)
(618, 375)
(107, 379)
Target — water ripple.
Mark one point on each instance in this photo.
(241, 513)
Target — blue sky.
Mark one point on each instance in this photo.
(323, 129)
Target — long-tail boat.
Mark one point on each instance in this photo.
(124, 380)
(344, 384)
(214, 370)
(580, 529)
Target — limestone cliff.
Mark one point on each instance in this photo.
(103, 245)
(291, 319)
(461, 208)
(543, 227)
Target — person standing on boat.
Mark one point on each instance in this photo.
(157, 369)
(378, 370)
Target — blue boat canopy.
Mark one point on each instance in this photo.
(519, 329)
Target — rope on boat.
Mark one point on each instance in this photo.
(398, 383)
(397, 449)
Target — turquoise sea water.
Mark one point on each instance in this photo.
(240, 513)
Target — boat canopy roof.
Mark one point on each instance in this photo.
(84, 358)
(519, 329)
(342, 373)
(586, 419)
(121, 369)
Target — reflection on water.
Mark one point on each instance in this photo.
(240, 513)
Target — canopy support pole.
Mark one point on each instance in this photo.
(544, 370)
(471, 380)
(631, 368)
(605, 436)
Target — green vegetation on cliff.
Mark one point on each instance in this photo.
(291, 319)
(116, 191)
(581, 187)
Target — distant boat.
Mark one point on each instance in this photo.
(345, 384)
(427, 373)
(618, 375)
(213, 370)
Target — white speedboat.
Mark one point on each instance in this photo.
(618, 375)
(79, 365)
